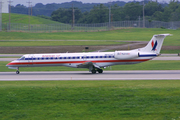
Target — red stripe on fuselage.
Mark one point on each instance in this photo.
(71, 62)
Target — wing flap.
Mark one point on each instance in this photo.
(88, 65)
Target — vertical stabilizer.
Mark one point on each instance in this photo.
(155, 43)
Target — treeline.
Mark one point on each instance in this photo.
(78, 12)
(130, 11)
(46, 10)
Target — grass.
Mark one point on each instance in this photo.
(174, 51)
(21, 18)
(56, 43)
(90, 100)
(131, 34)
(21, 22)
(150, 65)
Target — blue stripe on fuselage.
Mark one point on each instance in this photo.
(151, 55)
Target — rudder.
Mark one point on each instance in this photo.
(155, 43)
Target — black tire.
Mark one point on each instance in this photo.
(17, 72)
(100, 71)
(93, 71)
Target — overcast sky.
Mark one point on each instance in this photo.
(24, 2)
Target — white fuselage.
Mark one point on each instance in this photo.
(101, 59)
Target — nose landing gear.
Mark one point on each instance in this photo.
(17, 72)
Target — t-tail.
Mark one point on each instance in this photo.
(155, 44)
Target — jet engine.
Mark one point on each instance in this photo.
(123, 55)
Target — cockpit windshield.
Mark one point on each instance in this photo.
(22, 58)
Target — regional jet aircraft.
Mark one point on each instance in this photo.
(94, 61)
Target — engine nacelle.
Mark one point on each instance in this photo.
(122, 55)
(148, 54)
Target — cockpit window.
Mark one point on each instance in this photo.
(22, 58)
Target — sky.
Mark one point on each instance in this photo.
(24, 2)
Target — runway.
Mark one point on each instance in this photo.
(85, 75)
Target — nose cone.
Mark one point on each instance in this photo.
(8, 65)
(13, 64)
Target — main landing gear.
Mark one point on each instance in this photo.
(17, 71)
(99, 71)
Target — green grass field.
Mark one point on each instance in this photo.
(131, 34)
(23, 22)
(90, 100)
(56, 43)
(21, 18)
(150, 65)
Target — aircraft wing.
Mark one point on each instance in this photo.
(89, 65)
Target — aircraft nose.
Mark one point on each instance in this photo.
(9, 64)
(12, 63)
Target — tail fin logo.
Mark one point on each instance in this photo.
(154, 45)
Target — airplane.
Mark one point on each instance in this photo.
(94, 61)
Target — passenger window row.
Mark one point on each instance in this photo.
(55, 58)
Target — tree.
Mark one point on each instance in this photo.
(151, 7)
(65, 15)
(132, 10)
(117, 13)
(39, 5)
(167, 14)
(99, 14)
(173, 5)
(158, 15)
(175, 16)
(83, 18)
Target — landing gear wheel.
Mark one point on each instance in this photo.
(17, 72)
(100, 71)
(93, 71)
